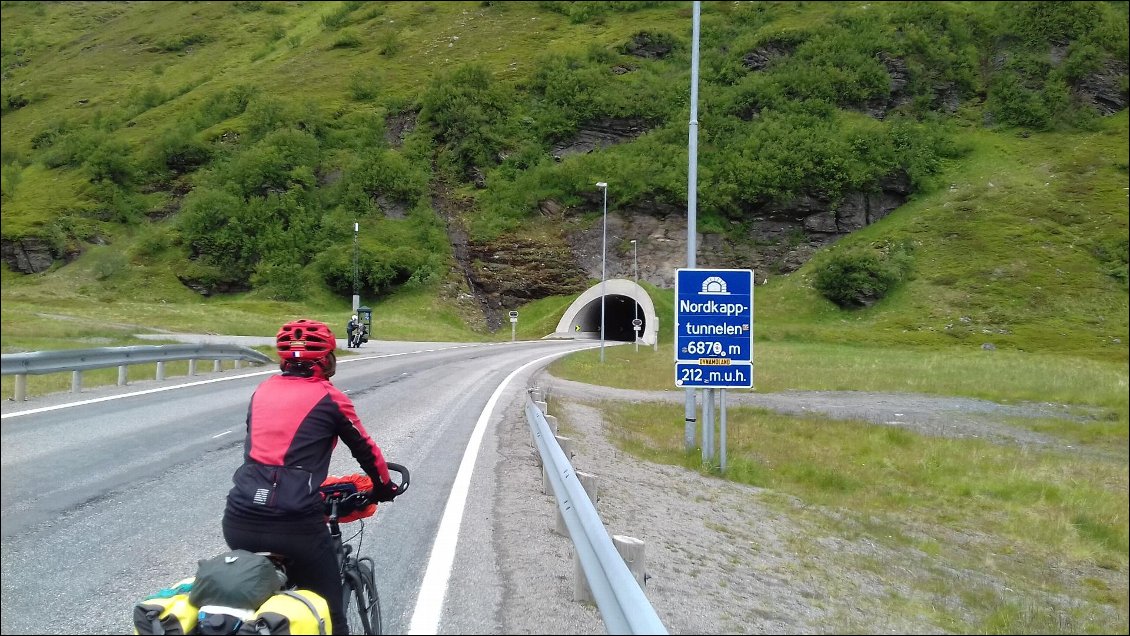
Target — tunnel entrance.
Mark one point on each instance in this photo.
(624, 301)
(619, 311)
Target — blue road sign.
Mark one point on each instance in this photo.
(714, 328)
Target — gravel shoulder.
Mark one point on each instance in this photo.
(723, 557)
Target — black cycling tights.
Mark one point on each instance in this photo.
(312, 566)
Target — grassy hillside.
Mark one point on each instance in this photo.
(231, 146)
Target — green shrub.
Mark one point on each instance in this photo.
(1014, 104)
(111, 161)
(10, 176)
(1113, 255)
(276, 32)
(182, 42)
(338, 17)
(282, 281)
(180, 151)
(860, 276)
(266, 113)
(465, 109)
(389, 43)
(347, 40)
(364, 86)
(109, 264)
(1039, 23)
(282, 160)
(224, 105)
(151, 242)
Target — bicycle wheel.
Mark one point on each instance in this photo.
(360, 601)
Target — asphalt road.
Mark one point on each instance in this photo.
(104, 502)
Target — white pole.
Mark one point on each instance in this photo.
(636, 266)
(356, 293)
(603, 252)
(722, 408)
(692, 199)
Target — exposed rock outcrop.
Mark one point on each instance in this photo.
(27, 255)
(767, 54)
(398, 126)
(599, 134)
(649, 45)
(516, 271)
(1104, 88)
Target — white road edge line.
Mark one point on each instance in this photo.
(429, 600)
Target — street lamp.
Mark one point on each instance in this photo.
(636, 266)
(603, 250)
(356, 293)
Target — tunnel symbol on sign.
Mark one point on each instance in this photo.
(714, 286)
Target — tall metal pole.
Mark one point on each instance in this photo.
(692, 201)
(356, 292)
(636, 267)
(603, 259)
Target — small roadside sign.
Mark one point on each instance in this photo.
(513, 314)
(637, 323)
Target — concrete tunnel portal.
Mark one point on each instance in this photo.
(624, 301)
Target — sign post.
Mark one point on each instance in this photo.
(513, 324)
(713, 336)
(636, 325)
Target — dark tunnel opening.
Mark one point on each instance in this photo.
(619, 311)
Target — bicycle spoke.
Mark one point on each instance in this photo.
(369, 586)
(355, 615)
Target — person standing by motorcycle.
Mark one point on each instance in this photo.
(352, 326)
(293, 423)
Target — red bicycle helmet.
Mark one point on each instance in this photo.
(305, 340)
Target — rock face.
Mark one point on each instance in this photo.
(781, 237)
(27, 255)
(514, 272)
(599, 134)
(1104, 89)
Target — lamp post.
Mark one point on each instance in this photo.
(356, 293)
(603, 251)
(636, 267)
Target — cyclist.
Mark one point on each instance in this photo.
(293, 423)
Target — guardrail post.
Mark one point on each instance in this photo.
(582, 593)
(215, 366)
(588, 482)
(76, 381)
(632, 549)
(123, 375)
(541, 406)
(192, 367)
(552, 422)
(160, 370)
(21, 387)
(566, 444)
(238, 364)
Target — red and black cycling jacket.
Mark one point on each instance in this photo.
(293, 424)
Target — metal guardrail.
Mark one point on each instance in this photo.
(77, 360)
(618, 596)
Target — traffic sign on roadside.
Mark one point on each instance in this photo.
(714, 328)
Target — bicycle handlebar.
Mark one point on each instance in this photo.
(405, 479)
(334, 501)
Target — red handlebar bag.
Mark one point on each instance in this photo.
(349, 484)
